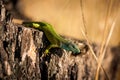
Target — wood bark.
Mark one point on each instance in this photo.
(21, 58)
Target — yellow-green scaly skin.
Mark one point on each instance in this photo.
(54, 39)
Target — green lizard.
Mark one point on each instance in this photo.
(54, 39)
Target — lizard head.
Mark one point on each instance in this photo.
(70, 47)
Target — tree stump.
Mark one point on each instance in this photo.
(21, 57)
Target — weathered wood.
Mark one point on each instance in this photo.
(21, 52)
(21, 58)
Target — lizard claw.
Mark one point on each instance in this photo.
(46, 52)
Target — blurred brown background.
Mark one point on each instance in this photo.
(65, 16)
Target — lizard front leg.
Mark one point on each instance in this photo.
(47, 51)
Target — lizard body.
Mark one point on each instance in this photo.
(54, 39)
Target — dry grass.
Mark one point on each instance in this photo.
(106, 37)
(66, 15)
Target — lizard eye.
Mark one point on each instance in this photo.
(72, 46)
